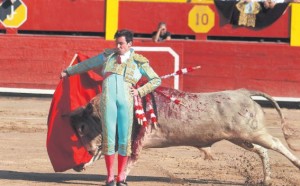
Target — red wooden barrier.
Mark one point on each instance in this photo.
(269, 67)
(141, 17)
(64, 15)
(36, 62)
(176, 15)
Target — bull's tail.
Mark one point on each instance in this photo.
(287, 131)
(271, 99)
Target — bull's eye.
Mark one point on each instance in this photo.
(82, 128)
(99, 147)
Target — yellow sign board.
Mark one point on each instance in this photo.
(201, 19)
(295, 27)
(13, 13)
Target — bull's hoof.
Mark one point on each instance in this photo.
(267, 182)
(207, 153)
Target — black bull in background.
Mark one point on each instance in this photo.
(200, 121)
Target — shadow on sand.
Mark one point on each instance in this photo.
(95, 179)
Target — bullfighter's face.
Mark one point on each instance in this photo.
(122, 45)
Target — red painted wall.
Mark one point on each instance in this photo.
(269, 67)
(36, 62)
(176, 17)
(141, 17)
(64, 15)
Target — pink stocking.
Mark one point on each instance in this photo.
(109, 161)
(122, 161)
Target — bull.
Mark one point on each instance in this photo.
(201, 120)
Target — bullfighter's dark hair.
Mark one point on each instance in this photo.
(126, 33)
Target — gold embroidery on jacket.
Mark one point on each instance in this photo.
(129, 74)
(154, 82)
(130, 121)
(103, 108)
(140, 59)
(108, 52)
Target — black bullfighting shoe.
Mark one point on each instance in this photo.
(122, 183)
(111, 183)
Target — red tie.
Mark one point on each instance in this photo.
(119, 59)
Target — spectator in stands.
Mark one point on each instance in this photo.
(161, 34)
(271, 3)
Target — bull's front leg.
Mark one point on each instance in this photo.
(132, 160)
(137, 146)
(130, 164)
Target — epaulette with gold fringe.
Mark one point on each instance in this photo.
(108, 52)
(140, 59)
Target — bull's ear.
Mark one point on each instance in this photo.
(74, 113)
(89, 109)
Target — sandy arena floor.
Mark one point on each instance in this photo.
(24, 159)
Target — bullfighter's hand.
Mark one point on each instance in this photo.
(63, 74)
(134, 91)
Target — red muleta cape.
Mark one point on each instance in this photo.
(64, 148)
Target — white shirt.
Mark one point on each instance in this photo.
(125, 56)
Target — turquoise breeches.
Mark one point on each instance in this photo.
(117, 115)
